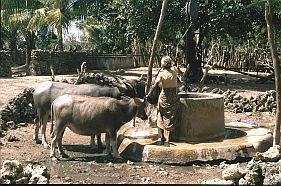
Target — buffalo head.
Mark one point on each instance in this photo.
(132, 87)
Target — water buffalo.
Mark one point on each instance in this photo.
(86, 115)
(48, 91)
(131, 87)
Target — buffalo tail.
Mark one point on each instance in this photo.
(52, 116)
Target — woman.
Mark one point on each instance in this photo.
(168, 101)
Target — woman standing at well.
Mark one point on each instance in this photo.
(168, 102)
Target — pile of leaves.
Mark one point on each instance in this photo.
(19, 109)
(92, 78)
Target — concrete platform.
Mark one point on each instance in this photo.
(242, 141)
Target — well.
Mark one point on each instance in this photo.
(201, 135)
(201, 117)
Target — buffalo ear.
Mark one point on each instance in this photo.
(140, 78)
(120, 86)
(118, 79)
(138, 101)
(128, 85)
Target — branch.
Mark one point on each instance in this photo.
(207, 68)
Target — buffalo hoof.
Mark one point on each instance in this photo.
(97, 150)
(119, 160)
(117, 157)
(101, 147)
(37, 141)
(46, 145)
(54, 158)
(63, 155)
(93, 147)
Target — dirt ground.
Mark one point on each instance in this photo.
(95, 167)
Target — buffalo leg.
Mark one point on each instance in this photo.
(44, 125)
(41, 121)
(107, 143)
(61, 152)
(36, 130)
(99, 142)
(113, 142)
(56, 136)
(92, 142)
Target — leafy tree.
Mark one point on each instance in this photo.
(45, 38)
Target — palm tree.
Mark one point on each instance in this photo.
(15, 15)
(58, 14)
(54, 15)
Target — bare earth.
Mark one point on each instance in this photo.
(93, 167)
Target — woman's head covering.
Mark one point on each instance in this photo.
(166, 62)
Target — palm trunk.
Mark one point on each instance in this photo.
(58, 5)
(160, 22)
(277, 70)
(29, 43)
(60, 40)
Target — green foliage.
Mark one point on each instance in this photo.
(15, 15)
(112, 26)
(117, 23)
(237, 20)
(45, 37)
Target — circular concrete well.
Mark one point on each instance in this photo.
(201, 135)
(201, 117)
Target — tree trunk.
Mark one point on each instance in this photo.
(60, 40)
(194, 73)
(58, 5)
(143, 52)
(150, 66)
(277, 70)
(30, 44)
(27, 59)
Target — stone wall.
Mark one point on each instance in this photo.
(67, 61)
(5, 64)
(9, 59)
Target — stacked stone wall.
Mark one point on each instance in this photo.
(5, 64)
(68, 61)
(10, 59)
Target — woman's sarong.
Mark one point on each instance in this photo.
(168, 106)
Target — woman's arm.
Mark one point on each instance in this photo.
(156, 83)
(179, 71)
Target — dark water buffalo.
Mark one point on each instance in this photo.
(131, 87)
(86, 115)
(48, 91)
